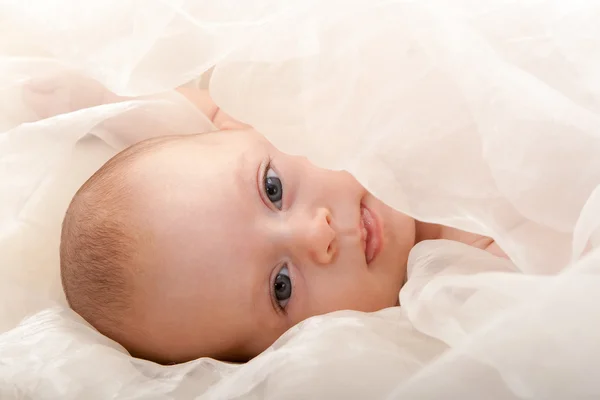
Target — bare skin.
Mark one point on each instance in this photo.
(221, 245)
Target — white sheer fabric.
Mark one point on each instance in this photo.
(482, 115)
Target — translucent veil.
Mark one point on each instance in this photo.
(482, 115)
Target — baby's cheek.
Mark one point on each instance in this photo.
(355, 293)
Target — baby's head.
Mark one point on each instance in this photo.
(214, 245)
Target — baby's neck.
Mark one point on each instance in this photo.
(425, 231)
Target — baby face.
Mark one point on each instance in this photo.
(246, 241)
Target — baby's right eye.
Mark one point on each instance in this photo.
(273, 187)
(282, 287)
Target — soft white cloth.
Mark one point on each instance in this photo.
(482, 115)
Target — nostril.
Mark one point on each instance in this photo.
(331, 249)
(328, 218)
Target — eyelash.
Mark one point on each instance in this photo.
(278, 307)
(267, 165)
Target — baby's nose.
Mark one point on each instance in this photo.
(317, 237)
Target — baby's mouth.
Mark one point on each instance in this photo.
(370, 233)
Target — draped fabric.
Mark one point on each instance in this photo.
(480, 115)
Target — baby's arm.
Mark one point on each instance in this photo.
(488, 244)
(202, 100)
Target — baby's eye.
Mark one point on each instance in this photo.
(282, 287)
(273, 188)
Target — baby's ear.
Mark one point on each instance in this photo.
(202, 100)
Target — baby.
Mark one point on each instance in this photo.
(214, 245)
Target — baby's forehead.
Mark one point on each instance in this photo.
(217, 144)
(198, 179)
(203, 171)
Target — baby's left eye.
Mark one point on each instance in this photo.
(273, 188)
